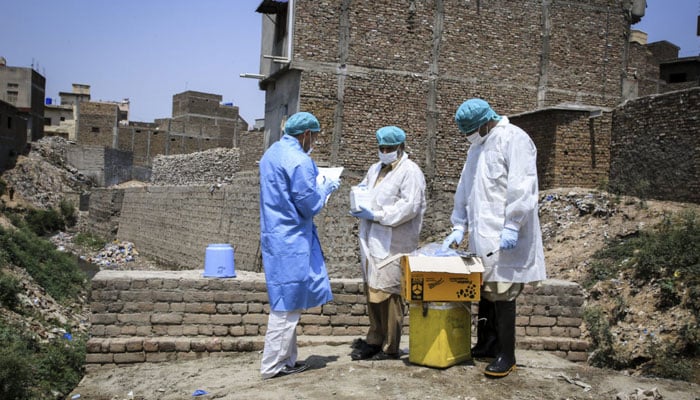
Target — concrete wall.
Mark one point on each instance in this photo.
(104, 165)
(155, 316)
(655, 142)
(13, 134)
(24, 88)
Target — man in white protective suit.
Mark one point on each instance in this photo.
(496, 201)
(389, 225)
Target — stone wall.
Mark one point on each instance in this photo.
(155, 316)
(655, 142)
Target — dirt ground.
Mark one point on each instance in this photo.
(333, 375)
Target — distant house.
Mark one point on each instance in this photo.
(24, 89)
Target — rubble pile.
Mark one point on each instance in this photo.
(40, 183)
(117, 255)
(47, 319)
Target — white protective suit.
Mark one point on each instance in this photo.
(498, 188)
(398, 203)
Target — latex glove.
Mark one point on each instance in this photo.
(509, 238)
(330, 185)
(455, 237)
(364, 213)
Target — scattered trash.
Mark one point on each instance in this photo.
(586, 387)
(75, 396)
(199, 392)
(640, 394)
(68, 336)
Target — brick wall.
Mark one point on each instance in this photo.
(154, 316)
(412, 64)
(655, 142)
(573, 148)
(96, 123)
(104, 208)
(250, 145)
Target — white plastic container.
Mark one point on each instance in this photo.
(360, 196)
(218, 261)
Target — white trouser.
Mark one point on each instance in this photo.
(280, 342)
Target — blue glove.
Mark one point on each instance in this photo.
(509, 238)
(330, 185)
(455, 237)
(363, 213)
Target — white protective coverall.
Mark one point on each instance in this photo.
(497, 189)
(398, 203)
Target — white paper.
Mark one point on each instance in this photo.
(328, 173)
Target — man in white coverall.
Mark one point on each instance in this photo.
(295, 272)
(497, 200)
(390, 225)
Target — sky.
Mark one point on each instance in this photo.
(149, 50)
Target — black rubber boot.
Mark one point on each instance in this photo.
(505, 359)
(487, 341)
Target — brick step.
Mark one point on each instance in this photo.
(568, 348)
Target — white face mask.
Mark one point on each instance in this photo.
(474, 137)
(388, 158)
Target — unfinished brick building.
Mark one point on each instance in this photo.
(359, 65)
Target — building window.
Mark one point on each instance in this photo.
(12, 96)
(95, 129)
(63, 118)
(9, 122)
(677, 77)
(13, 85)
(47, 121)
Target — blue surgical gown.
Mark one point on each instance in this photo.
(295, 272)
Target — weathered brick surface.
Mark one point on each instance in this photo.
(662, 131)
(135, 335)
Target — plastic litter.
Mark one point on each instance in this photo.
(199, 392)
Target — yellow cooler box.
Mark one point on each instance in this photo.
(439, 334)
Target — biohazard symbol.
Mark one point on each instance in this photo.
(417, 289)
(469, 291)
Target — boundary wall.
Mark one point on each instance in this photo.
(155, 316)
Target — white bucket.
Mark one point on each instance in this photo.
(218, 261)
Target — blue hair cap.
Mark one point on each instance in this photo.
(390, 136)
(300, 122)
(473, 113)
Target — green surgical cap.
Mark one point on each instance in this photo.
(300, 122)
(473, 113)
(390, 136)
